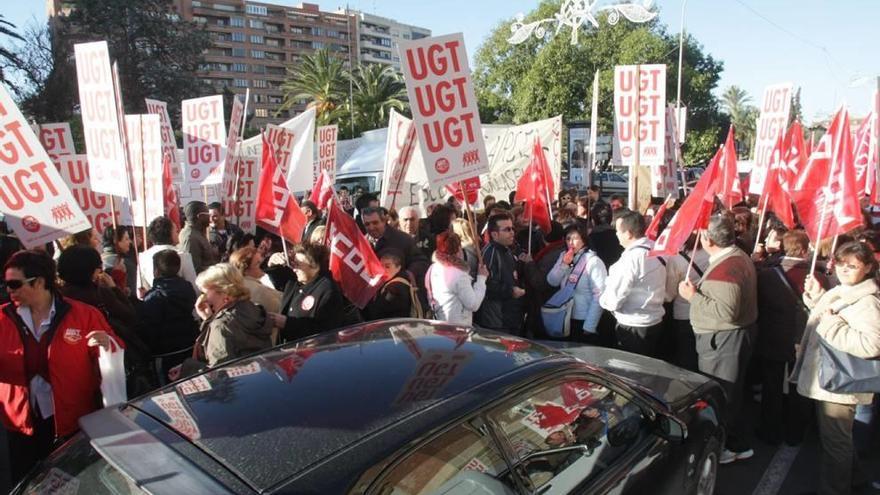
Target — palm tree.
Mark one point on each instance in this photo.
(7, 57)
(735, 102)
(377, 89)
(320, 79)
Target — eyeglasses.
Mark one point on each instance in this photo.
(16, 284)
(505, 229)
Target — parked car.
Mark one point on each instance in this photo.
(611, 183)
(406, 406)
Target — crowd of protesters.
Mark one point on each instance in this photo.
(746, 311)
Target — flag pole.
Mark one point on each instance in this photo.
(112, 211)
(531, 219)
(687, 275)
(761, 222)
(472, 221)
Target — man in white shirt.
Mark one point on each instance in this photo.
(635, 288)
(162, 235)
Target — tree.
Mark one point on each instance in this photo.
(735, 101)
(158, 52)
(540, 78)
(797, 111)
(47, 71)
(377, 89)
(321, 80)
(8, 58)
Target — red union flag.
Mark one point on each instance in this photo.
(170, 200)
(323, 191)
(467, 189)
(865, 166)
(640, 95)
(204, 139)
(277, 209)
(534, 188)
(825, 191)
(37, 203)
(101, 122)
(691, 216)
(353, 263)
(774, 197)
(55, 138)
(794, 156)
(729, 188)
(771, 124)
(444, 107)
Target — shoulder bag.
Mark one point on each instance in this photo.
(556, 312)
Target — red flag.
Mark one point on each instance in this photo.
(825, 191)
(692, 215)
(323, 191)
(471, 188)
(551, 415)
(353, 263)
(534, 188)
(794, 156)
(774, 197)
(729, 190)
(172, 202)
(863, 151)
(810, 147)
(277, 209)
(653, 230)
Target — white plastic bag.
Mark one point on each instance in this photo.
(112, 366)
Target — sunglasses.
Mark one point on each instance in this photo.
(16, 284)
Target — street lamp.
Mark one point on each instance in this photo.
(678, 118)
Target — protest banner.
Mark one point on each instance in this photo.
(664, 182)
(327, 136)
(301, 159)
(236, 121)
(188, 191)
(101, 122)
(34, 198)
(204, 139)
(399, 147)
(145, 152)
(444, 108)
(56, 138)
(240, 192)
(74, 170)
(282, 140)
(642, 104)
(169, 142)
(775, 108)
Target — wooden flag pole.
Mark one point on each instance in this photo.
(761, 223)
(143, 188)
(687, 275)
(112, 210)
(472, 221)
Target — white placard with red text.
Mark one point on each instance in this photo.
(444, 108)
(664, 180)
(193, 192)
(36, 202)
(400, 146)
(282, 140)
(145, 155)
(101, 123)
(773, 121)
(240, 208)
(235, 122)
(56, 138)
(648, 98)
(169, 142)
(301, 159)
(204, 139)
(327, 136)
(74, 169)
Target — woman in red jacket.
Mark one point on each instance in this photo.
(49, 374)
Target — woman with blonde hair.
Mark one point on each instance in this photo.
(469, 245)
(233, 326)
(248, 260)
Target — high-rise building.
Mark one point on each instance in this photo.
(378, 38)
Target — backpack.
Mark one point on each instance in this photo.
(416, 310)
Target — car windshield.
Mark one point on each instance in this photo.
(78, 468)
(366, 182)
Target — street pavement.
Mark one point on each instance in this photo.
(782, 470)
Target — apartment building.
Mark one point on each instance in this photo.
(378, 38)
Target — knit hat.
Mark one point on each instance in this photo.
(193, 208)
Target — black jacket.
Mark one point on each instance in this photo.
(315, 307)
(500, 310)
(166, 315)
(309, 228)
(603, 240)
(393, 300)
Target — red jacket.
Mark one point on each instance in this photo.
(73, 366)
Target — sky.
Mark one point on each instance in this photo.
(829, 48)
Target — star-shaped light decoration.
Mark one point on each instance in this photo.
(576, 14)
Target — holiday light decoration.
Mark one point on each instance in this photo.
(576, 14)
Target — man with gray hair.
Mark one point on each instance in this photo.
(724, 312)
(411, 223)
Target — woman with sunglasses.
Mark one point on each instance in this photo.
(49, 374)
(847, 317)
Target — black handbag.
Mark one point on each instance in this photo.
(841, 372)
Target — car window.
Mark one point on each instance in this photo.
(461, 460)
(616, 178)
(76, 468)
(569, 432)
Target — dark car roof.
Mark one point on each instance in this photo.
(270, 416)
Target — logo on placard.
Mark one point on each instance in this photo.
(308, 303)
(626, 151)
(195, 173)
(30, 223)
(72, 335)
(441, 166)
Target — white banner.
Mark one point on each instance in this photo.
(236, 116)
(74, 169)
(775, 108)
(664, 180)
(204, 139)
(400, 145)
(327, 136)
(301, 159)
(56, 139)
(240, 207)
(193, 192)
(145, 152)
(644, 104)
(169, 142)
(34, 198)
(444, 108)
(101, 123)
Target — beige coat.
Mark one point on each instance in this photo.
(848, 318)
(262, 295)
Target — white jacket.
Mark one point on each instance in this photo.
(454, 297)
(636, 287)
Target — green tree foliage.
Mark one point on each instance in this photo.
(377, 89)
(322, 81)
(737, 104)
(541, 78)
(8, 58)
